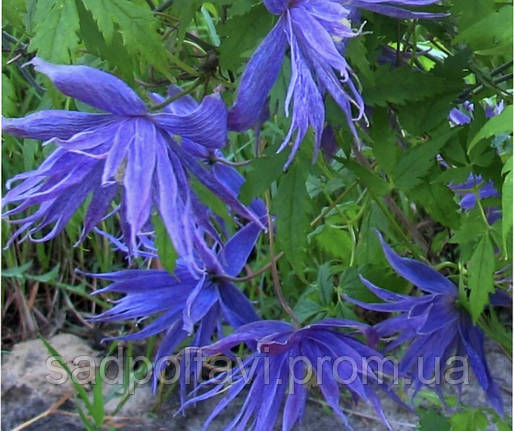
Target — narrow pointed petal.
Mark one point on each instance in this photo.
(418, 273)
(260, 74)
(207, 125)
(102, 199)
(48, 124)
(384, 294)
(138, 176)
(276, 6)
(236, 307)
(235, 254)
(473, 341)
(92, 86)
(396, 12)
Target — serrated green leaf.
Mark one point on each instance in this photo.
(402, 85)
(415, 163)
(137, 26)
(264, 171)
(469, 420)
(55, 35)
(306, 308)
(438, 201)
(432, 420)
(242, 34)
(324, 283)
(185, 10)
(292, 206)
(371, 180)
(495, 125)
(9, 107)
(481, 282)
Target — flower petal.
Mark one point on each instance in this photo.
(206, 125)
(418, 273)
(48, 124)
(260, 74)
(92, 86)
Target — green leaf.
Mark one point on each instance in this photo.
(55, 34)
(490, 35)
(48, 277)
(306, 308)
(98, 405)
(292, 206)
(211, 200)
(9, 107)
(114, 52)
(469, 420)
(415, 163)
(335, 241)
(165, 249)
(137, 27)
(240, 35)
(185, 10)
(438, 200)
(264, 171)
(402, 85)
(495, 125)
(481, 282)
(18, 271)
(507, 204)
(13, 11)
(324, 283)
(81, 392)
(432, 420)
(371, 180)
(211, 29)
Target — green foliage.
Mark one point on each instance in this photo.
(166, 251)
(136, 25)
(55, 37)
(432, 420)
(469, 420)
(292, 208)
(241, 34)
(481, 269)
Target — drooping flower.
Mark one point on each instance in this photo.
(433, 326)
(127, 149)
(485, 190)
(313, 30)
(285, 362)
(183, 302)
(464, 114)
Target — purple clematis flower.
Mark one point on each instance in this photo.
(485, 190)
(284, 363)
(313, 30)
(433, 326)
(127, 148)
(459, 118)
(182, 301)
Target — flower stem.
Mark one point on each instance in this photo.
(253, 274)
(177, 96)
(274, 270)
